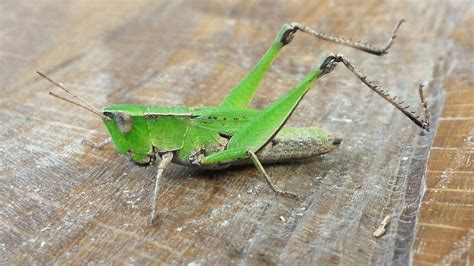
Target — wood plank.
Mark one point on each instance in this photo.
(62, 202)
(445, 228)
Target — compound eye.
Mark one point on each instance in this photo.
(124, 122)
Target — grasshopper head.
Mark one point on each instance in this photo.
(126, 125)
(129, 132)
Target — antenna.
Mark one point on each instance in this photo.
(84, 104)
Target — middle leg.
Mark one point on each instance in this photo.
(260, 168)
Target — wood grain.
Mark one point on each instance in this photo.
(62, 202)
(445, 228)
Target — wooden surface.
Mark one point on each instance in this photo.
(63, 202)
(445, 228)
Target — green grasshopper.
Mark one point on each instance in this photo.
(233, 133)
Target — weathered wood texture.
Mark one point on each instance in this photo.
(445, 227)
(63, 202)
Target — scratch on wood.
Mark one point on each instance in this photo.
(132, 235)
(461, 247)
(446, 227)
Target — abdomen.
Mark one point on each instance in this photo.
(297, 143)
(289, 144)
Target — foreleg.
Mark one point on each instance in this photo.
(165, 161)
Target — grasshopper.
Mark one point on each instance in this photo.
(232, 133)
